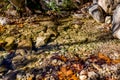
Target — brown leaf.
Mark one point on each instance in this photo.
(62, 58)
(65, 73)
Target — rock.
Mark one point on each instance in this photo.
(3, 69)
(11, 13)
(4, 21)
(11, 75)
(116, 34)
(25, 44)
(42, 40)
(97, 13)
(106, 5)
(2, 44)
(78, 16)
(116, 23)
(84, 10)
(21, 52)
(1, 59)
(92, 75)
(10, 43)
(95, 1)
(108, 19)
(83, 75)
(17, 3)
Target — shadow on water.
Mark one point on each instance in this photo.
(102, 38)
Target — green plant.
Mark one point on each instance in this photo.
(53, 6)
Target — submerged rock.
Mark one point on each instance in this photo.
(25, 44)
(10, 43)
(42, 40)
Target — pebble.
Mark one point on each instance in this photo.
(78, 16)
(4, 21)
(92, 75)
(108, 19)
(83, 75)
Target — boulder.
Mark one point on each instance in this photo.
(97, 13)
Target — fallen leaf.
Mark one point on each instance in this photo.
(107, 59)
(62, 58)
(73, 77)
(77, 67)
(116, 61)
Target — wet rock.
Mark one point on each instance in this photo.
(21, 52)
(52, 31)
(11, 75)
(10, 42)
(96, 12)
(25, 44)
(19, 62)
(42, 39)
(3, 69)
(4, 21)
(1, 59)
(2, 44)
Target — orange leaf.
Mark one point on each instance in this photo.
(30, 78)
(77, 67)
(63, 69)
(65, 73)
(62, 58)
(116, 61)
(73, 77)
(69, 72)
(102, 56)
(20, 25)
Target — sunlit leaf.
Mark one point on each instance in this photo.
(102, 56)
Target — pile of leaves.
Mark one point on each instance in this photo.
(60, 67)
